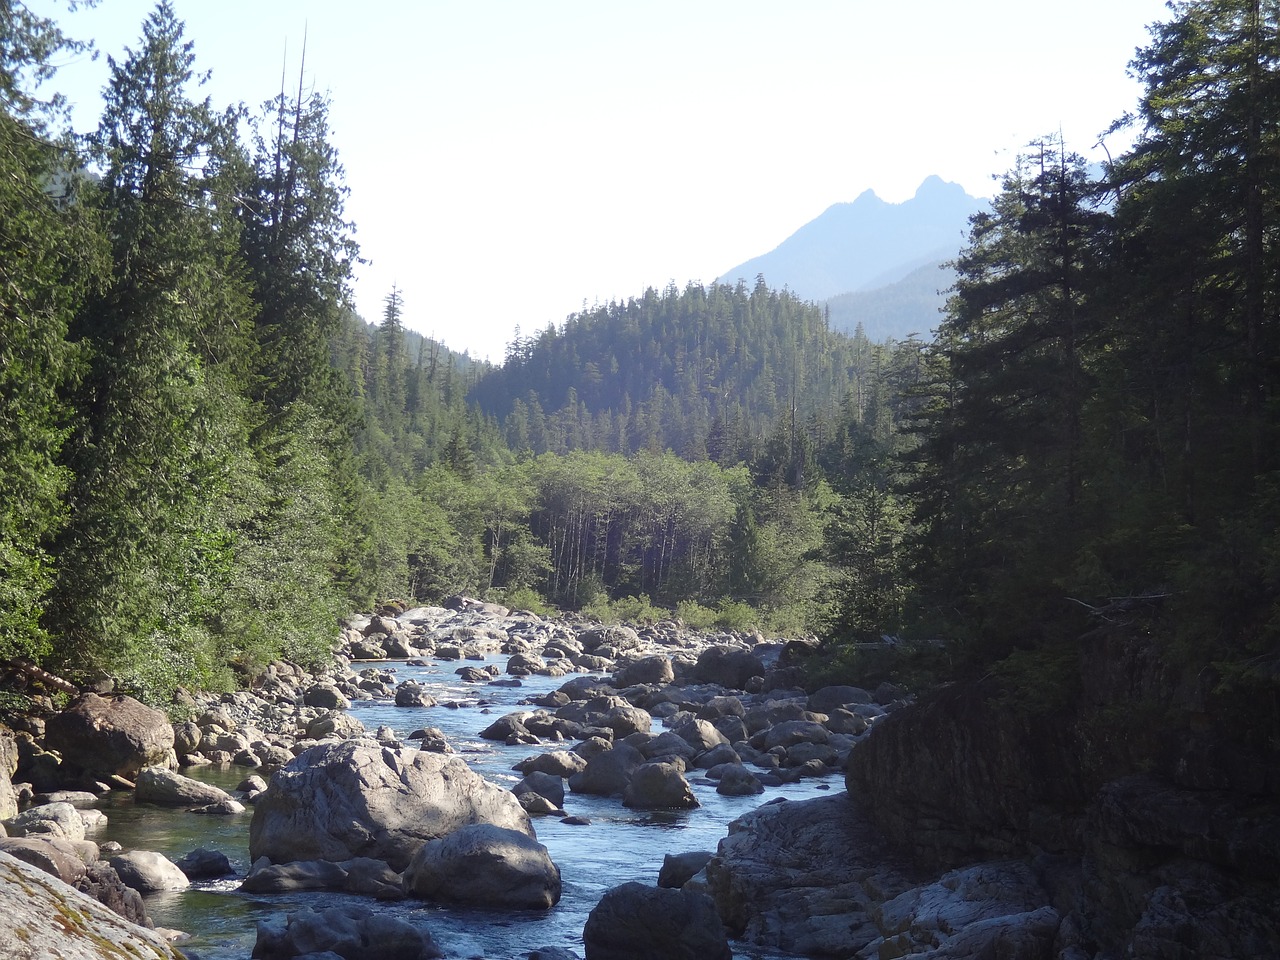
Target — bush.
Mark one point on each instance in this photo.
(524, 598)
(625, 609)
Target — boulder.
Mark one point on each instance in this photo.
(679, 868)
(617, 637)
(357, 799)
(54, 855)
(335, 725)
(111, 737)
(413, 694)
(204, 864)
(607, 774)
(558, 763)
(737, 781)
(730, 667)
(147, 871)
(654, 669)
(49, 819)
(325, 696)
(544, 785)
(8, 766)
(659, 786)
(165, 788)
(485, 866)
(45, 917)
(636, 922)
(826, 699)
(348, 933)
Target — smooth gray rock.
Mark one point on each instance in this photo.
(87, 930)
(636, 922)
(49, 819)
(356, 799)
(148, 872)
(608, 773)
(349, 933)
(679, 868)
(165, 788)
(659, 786)
(485, 865)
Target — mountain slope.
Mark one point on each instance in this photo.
(867, 243)
(908, 306)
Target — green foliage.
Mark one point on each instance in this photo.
(523, 598)
(638, 610)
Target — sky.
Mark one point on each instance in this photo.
(511, 162)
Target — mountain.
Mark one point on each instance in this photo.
(899, 309)
(873, 246)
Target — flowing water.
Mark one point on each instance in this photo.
(618, 845)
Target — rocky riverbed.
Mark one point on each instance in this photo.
(469, 781)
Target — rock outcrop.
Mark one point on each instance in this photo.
(41, 917)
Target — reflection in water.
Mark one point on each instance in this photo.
(617, 846)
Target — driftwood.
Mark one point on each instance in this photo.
(39, 676)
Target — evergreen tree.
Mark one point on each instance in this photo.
(163, 436)
(51, 253)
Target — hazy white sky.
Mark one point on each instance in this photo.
(509, 159)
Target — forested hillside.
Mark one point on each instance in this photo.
(206, 456)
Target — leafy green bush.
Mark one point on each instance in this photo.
(625, 609)
(695, 615)
(524, 598)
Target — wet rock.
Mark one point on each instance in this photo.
(607, 773)
(485, 865)
(558, 763)
(679, 868)
(351, 933)
(546, 785)
(205, 864)
(658, 786)
(737, 781)
(413, 694)
(636, 922)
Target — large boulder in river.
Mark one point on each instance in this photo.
(485, 866)
(658, 786)
(358, 799)
(56, 920)
(115, 736)
(730, 667)
(636, 922)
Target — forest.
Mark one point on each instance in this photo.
(207, 457)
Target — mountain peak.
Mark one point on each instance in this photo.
(851, 245)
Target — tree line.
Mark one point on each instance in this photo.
(207, 456)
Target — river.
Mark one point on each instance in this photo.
(618, 845)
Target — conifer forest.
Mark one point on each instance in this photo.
(206, 456)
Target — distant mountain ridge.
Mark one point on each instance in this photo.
(894, 250)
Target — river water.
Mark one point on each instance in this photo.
(618, 845)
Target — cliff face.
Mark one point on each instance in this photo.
(1151, 805)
